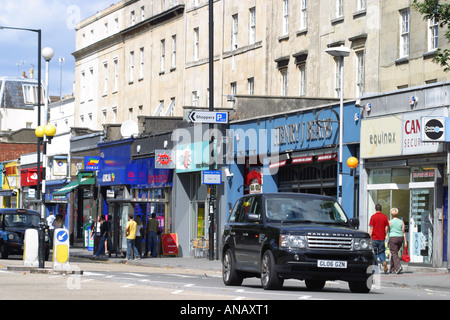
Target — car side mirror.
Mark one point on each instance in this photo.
(354, 223)
(252, 217)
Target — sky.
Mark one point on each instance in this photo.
(57, 20)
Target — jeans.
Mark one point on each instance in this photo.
(152, 240)
(379, 250)
(131, 245)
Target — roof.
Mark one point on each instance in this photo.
(12, 93)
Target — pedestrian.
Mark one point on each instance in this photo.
(396, 237)
(58, 222)
(139, 227)
(378, 228)
(105, 229)
(130, 230)
(152, 233)
(51, 228)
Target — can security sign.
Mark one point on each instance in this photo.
(433, 129)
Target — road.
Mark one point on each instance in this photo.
(112, 281)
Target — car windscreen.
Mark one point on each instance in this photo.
(304, 209)
(21, 220)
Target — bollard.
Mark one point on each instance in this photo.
(61, 249)
(31, 248)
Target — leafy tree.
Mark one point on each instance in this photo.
(440, 12)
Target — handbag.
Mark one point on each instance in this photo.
(405, 255)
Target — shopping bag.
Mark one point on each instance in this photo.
(405, 255)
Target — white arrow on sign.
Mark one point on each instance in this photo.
(208, 117)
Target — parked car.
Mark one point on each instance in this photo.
(13, 223)
(290, 235)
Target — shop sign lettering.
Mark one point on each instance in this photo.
(305, 131)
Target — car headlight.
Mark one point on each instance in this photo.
(362, 244)
(291, 241)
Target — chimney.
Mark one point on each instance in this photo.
(31, 73)
(24, 75)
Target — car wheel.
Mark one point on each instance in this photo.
(359, 286)
(315, 284)
(269, 277)
(230, 275)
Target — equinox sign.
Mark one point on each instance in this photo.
(433, 129)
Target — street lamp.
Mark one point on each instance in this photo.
(38, 159)
(340, 53)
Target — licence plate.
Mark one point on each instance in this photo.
(332, 264)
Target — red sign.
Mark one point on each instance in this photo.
(29, 177)
(169, 244)
(302, 160)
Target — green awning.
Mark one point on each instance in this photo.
(66, 189)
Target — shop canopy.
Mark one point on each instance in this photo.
(74, 184)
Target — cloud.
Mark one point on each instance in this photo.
(57, 20)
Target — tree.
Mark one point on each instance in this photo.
(433, 9)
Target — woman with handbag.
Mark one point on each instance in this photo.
(396, 237)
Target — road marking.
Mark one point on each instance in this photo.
(127, 285)
(177, 291)
(135, 274)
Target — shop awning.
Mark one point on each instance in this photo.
(66, 189)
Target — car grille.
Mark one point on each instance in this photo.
(335, 243)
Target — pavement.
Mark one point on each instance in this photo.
(412, 276)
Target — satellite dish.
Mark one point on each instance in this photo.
(129, 128)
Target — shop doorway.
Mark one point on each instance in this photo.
(415, 202)
(199, 230)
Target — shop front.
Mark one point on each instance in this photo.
(294, 152)
(10, 187)
(115, 191)
(403, 168)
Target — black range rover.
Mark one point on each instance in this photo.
(13, 224)
(290, 235)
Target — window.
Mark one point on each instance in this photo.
(303, 15)
(285, 30)
(251, 86)
(233, 86)
(131, 79)
(105, 78)
(82, 87)
(163, 56)
(360, 73)
(196, 44)
(338, 72)
(141, 63)
(433, 33)
(234, 32)
(360, 5)
(339, 8)
(116, 75)
(30, 94)
(302, 78)
(130, 114)
(91, 84)
(404, 33)
(142, 13)
(114, 110)
(174, 52)
(284, 81)
(104, 116)
(133, 18)
(252, 26)
(195, 98)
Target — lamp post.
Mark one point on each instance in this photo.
(38, 160)
(340, 53)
